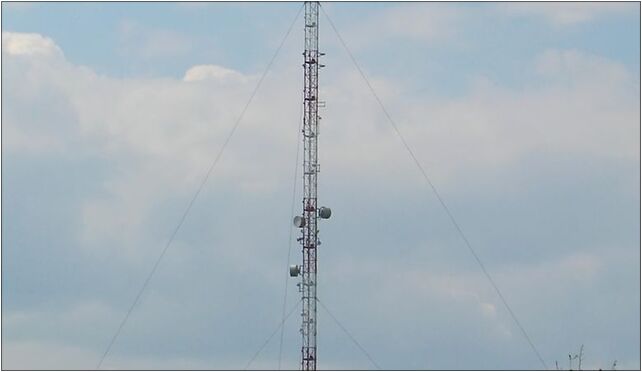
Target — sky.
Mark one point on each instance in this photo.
(525, 116)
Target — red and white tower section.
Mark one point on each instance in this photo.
(308, 220)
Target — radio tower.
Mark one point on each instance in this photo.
(307, 222)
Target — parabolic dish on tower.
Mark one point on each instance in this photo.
(299, 221)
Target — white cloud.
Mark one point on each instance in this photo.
(38, 355)
(16, 44)
(567, 13)
(16, 140)
(579, 66)
(585, 105)
(26, 355)
(577, 104)
(163, 133)
(427, 23)
(206, 72)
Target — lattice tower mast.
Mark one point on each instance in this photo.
(310, 171)
(310, 231)
(308, 221)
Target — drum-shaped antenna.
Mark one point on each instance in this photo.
(325, 212)
(299, 221)
(294, 270)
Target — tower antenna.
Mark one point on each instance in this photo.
(307, 222)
